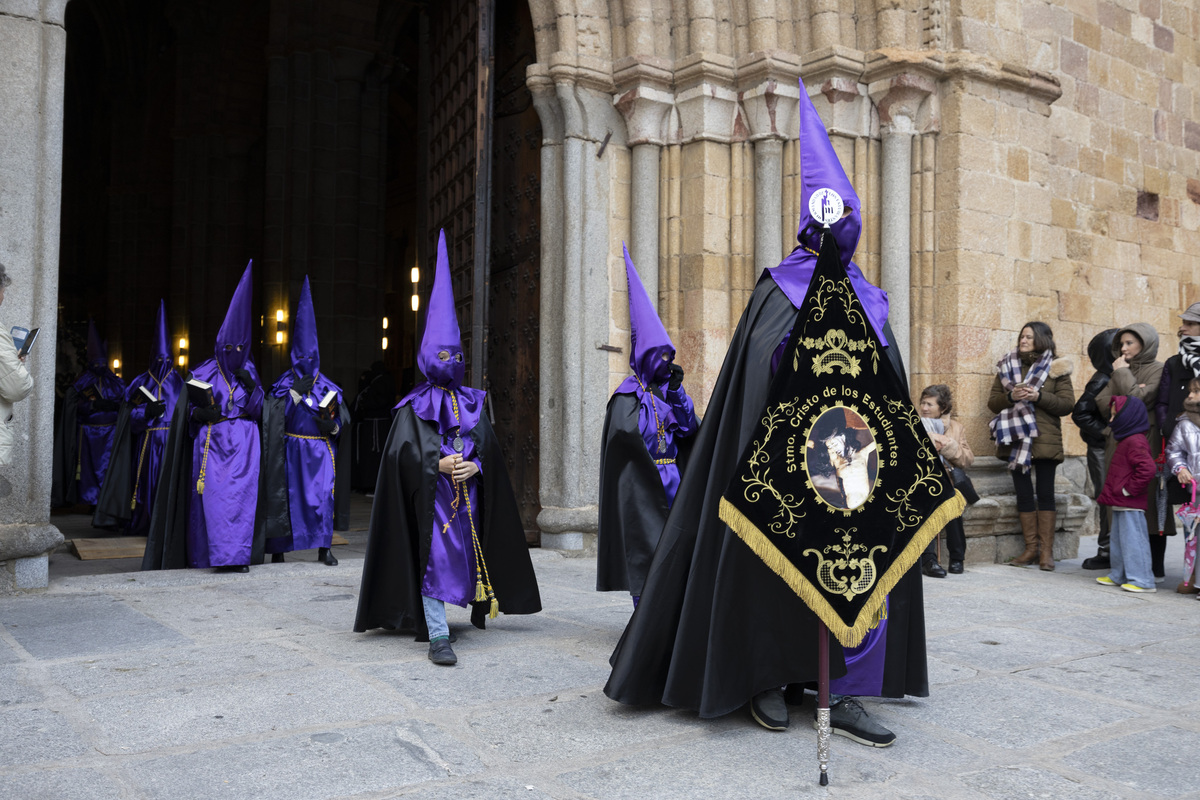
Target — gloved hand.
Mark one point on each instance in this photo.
(105, 405)
(676, 379)
(245, 379)
(155, 409)
(303, 386)
(327, 426)
(206, 416)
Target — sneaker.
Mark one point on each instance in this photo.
(848, 718)
(1133, 587)
(1107, 581)
(441, 653)
(769, 710)
(1160, 578)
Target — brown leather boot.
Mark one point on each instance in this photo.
(1029, 531)
(1045, 528)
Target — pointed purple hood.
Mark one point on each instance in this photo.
(441, 328)
(306, 354)
(233, 339)
(160, 356)
(650, 349)
(820, 168)
(97, 350)
(442, 399)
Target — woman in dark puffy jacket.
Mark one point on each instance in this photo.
(1030, 395)
(1091, 428)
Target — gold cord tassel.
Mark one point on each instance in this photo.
(495, 610)
(480, 594)
(200, 486)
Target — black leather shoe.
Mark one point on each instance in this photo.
(277, 558)
(848, 718)
(242, 568)
(441, 653)
(932, 568)
(325, 556)
(955, 568)
(769, 710)
(1097, 562)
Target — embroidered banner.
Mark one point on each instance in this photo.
(840, 488)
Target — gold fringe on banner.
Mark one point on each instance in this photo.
(874, 610)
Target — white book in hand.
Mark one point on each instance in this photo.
(329, 397)
(147, 395)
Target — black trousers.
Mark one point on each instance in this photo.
(1095, 463)
(1043, 470)
(956, 542)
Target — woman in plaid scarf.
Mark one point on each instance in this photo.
(1030, 395)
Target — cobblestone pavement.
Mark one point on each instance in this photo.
(196, 685)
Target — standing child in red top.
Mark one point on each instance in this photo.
(1129, 475)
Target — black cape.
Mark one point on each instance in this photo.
(274, 518)
(114, 504)
(633, 502)
(401, 530)
(715, 626)
(166, 540)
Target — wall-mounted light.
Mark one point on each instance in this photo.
(385, 323)
(385, 343)
(183, 352)
(280, 326)
(416, 275)
(416, 302)
(117, 367)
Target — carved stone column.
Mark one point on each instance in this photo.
(645, 100)
(770, 90)
(577, 238)
(906, 103)
(31, 123)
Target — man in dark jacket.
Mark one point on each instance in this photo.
(1091, 428)
(1177, 372)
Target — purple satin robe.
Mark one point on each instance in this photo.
(96, 429)
(450, 574)
(864, 663)
(221, 520)
(149, 442)
(678, 419)
(311, 467)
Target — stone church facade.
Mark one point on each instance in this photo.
(1017, 160)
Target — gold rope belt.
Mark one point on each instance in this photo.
(664, 461)
(328, 447)
(483, 581)
(204, 458)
